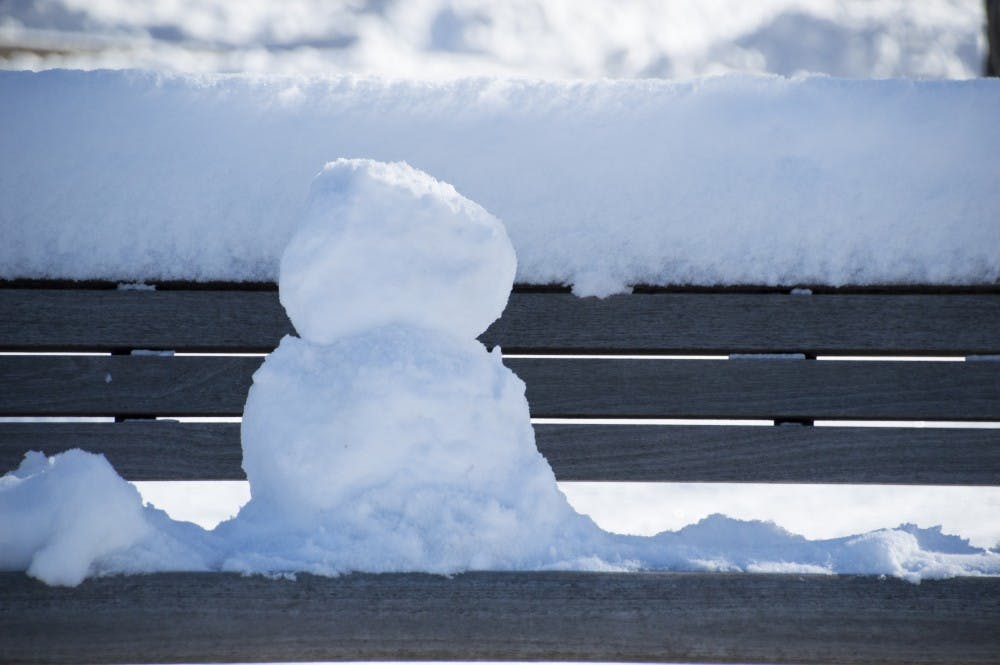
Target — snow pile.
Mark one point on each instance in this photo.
(68, 516)
(60, 514)
(389, 439)
(131, 176)
(397, 448)
(548, 38)
(721, 543)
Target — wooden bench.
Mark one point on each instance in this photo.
(697, 617)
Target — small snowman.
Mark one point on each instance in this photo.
(386, 437)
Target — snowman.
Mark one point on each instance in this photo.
(385, 437)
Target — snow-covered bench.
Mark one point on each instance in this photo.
(775, 337)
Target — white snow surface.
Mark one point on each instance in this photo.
(44, 532)
(134, 176)
(448, 264)
(62, 514)
(393, 446)
(545, 38)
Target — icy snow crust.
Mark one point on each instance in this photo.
(137, 176)
(398, 443)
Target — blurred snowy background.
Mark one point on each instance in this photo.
(533, 38)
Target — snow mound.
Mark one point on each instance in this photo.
(397, 449)
(69, 516)
(61, 514)
(386, 244)
(132, 176)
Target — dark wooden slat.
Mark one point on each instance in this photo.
(138, 449)
(678, 617)
(162, 450)
(35, 319)
(124, 385)
(38, 319)
(790, 454)
(751, 323)
(780, 389)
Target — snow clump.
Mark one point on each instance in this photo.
(385, 243)
(58, 515)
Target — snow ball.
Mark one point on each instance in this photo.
(395, 406)
(60, 515)
(385, 243)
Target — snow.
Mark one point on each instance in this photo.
(387, 437)
(397, 442)
(541, 38)
(410, 448)
(816, 511)
(61, 514)
(135, 176)
(449, 266)
(69, 516)
(141, 177)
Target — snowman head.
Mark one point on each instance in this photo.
(384, 244)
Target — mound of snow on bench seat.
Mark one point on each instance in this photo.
(138, 176)
(398, 443)
(63, 552)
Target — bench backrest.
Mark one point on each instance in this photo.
(773, 374)
(582, 360)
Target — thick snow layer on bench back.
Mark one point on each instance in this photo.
(128, 176)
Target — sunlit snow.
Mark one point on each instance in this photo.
(389, 439)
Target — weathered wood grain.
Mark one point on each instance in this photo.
(163, 450)
(83, 320)
(625, 617)
(138, 449)
(770, 389)
(726, 323)
(40, 319)
(124, 385)
(784, 454)
(778, 389)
